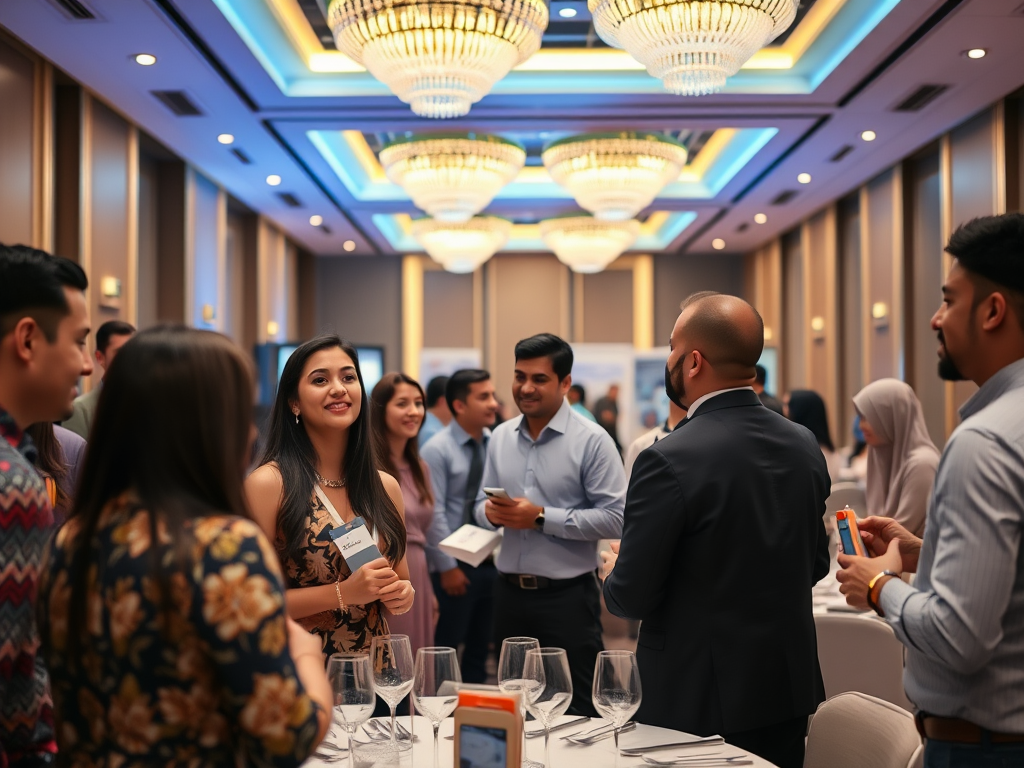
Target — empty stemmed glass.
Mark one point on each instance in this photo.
(511, 663)
(351, 678)
(435, 689)
(393, 673)
(616, 689)
(549, 690)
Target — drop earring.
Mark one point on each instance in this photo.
(296, 418)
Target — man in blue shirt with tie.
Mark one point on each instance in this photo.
(567, 488)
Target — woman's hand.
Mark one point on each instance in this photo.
(366, 584)
(398, 597)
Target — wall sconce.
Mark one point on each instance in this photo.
(272, 328)
(767, 333)
(209, 313)
(110, 292)
(818, 327)
(880, 314)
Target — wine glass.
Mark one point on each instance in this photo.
(616, 689)
(549, 689)
(435, 688)
(351, 679)
(393, 673)
(511, 663)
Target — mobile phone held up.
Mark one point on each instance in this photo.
(488, 731)
(497, 493)
(849, 534)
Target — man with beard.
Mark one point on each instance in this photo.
(567, 488)
(962, 621)
(44, 322)
(735, 491)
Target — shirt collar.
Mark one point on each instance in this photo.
(701, 400)
(462, 436)
(1008, 378)
(559, 422)
(17, 437)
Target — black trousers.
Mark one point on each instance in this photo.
(468, 619)
(781, 744)
(559, 617)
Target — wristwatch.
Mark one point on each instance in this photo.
(538, 522)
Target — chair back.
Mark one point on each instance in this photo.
(847, 494)
(843, 640)
(854, 730)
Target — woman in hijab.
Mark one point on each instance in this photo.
(902, 459)
(806, 408)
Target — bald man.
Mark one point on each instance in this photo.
(722, 542)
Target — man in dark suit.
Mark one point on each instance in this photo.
(722, 542)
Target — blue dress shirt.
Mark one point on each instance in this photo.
(431, 426)
(572, 470)
(448, 455)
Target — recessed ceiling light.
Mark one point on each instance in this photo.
(718, 244)
(226, 138)
(567, 13)
(273, 179)
(868, 135)
(349, 245)
(148, 59)
(760, 218)
(973, 53)
(316, 220)
(804, 178)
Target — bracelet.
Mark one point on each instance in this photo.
(341, 600)
(871, 588)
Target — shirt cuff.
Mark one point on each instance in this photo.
(892, 600)
(554, 521)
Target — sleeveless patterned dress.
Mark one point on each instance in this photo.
(318, 563)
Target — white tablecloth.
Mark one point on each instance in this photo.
(563, 753)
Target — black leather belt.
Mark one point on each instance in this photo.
(526, 581)
(957, 731)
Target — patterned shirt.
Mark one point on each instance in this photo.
(26, 520)
(207, 682)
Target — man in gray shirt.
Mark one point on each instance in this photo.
(963, 620)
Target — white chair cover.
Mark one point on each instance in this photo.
(854, 730)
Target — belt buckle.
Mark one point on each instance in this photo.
(527, 581)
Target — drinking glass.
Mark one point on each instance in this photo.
(393, 673)
(351, 679)
(511, 663)
(549, 689)
(616, 689)
(435, 689)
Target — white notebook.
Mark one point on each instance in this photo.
(471, 544)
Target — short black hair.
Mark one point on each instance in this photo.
(459, 384)
(760, 374)
(112, 328)
(436, 390)
(992, 248)
(32, 284)
(547, 345)
(579, 390)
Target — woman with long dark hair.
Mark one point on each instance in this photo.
(162, 612)
(807, 408)
(396, 414)
(318, 472)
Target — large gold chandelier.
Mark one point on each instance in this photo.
(692, 46)
(462, 247)
(615, 175)
(585, 244)
(452, 176)
(438, 56)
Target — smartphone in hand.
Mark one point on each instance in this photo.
(497, 493)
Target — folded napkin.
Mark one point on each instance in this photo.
(650, 739)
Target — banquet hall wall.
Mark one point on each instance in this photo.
(848, 293)
(159, 240)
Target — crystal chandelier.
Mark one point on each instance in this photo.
(692, 46)
(462, 247)
(438, 57)
(615, 175)
(585, 244)
(452, 176)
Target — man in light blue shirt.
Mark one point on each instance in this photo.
(456, 456)
(567, 489)
(438, 415)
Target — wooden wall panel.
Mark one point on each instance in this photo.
(149, 241)
(607, 311)
(820, 321)
(851, 312)
(17, 130)
(882, 263)
(794, 330)
(447, 309)
(677, 276)
(206, 257)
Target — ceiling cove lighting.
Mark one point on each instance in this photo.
(973, 53)
(452, 176)
(868, 135)
(614, 175)
(273, 179)
(462, 247)
(586, 244)
(804, 178)
(226, 138)
(718, 244)
(692, 46)
(439, 57)
(760, 218)
(145, 59)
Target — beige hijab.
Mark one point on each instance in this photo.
(901, 472)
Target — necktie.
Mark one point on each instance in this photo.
(476, 474)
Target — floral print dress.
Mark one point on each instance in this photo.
(319, 562)
(215, 686)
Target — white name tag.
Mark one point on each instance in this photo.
(355, 543)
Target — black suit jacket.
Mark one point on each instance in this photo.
(723, 540)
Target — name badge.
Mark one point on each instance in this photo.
(355, 543)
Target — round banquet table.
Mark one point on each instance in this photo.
(564, 754)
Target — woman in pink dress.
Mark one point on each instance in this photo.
(396, 414)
